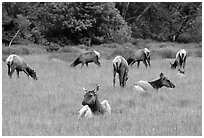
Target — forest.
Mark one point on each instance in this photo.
(95, 23)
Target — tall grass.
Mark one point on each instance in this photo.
(50, 105)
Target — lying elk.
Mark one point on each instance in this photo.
(17, 63)
(86, 58)
(120, 66)
(140, 55)
(92, 106)
(156, 84)
(180, 61)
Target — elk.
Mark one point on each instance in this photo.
(140, 55)
(120, 66)
(92, 106)
(180, 61)
(155, 84)
(15, 62)
(88, 57)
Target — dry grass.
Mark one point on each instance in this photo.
(50, 105)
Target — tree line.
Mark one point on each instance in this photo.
(93, 23)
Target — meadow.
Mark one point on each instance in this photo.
(50, 105)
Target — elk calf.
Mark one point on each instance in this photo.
(92, 106)
(120, 66)
(15, 62)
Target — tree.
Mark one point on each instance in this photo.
(161, 21)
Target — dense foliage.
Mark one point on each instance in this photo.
(96, 23)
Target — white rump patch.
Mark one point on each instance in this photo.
(10, 58)
(119, 59)
(97, 53)
(138, 88)
(147, 52)
(85, 111)
(142, 86)
(106, 105)
(180, 52)
(181, 75)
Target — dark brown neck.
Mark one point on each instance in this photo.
(97, 108)
(156, 84)
(29, 70)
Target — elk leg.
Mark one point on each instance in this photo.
(114, 73)
(97, 63)
(12, 71)
(133, 62)
(184, 63)
(120, 79)
(82, 64)
(123, 80)
(8, 69)
(145, 63)
(138, 64)
(17, 71)
(148, 60)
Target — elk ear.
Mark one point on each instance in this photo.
(161, 75)
(96, 89)
(85, 89)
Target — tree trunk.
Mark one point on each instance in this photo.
(13, 38)
(138, 17)
(125, 8)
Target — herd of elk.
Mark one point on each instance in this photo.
(91, 104)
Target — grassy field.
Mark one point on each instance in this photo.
(50, 105)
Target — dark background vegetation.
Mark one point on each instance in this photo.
(59, 25)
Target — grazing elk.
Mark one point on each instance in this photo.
(15, 62)
(156, 84)
(180, 61)
(85, 58)
(120, 66)
(140, 55)
(92, 106)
